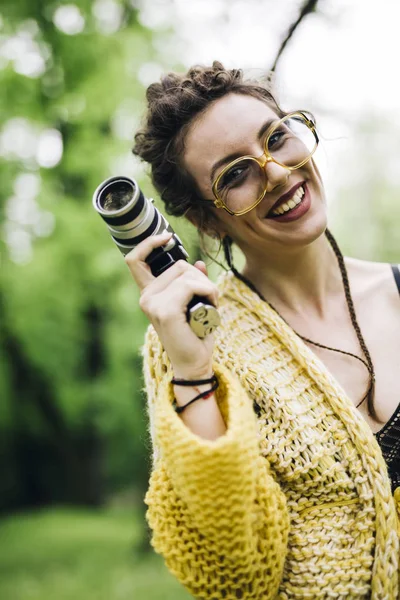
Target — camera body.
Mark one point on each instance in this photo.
(131, 218)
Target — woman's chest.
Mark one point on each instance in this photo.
(380, 326)
(354, 378)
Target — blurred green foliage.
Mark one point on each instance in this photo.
(72, 411)
(80, 555)
(366, 211)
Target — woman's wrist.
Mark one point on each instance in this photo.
(202, 382)
(202, 418)
(193, 373)
(212, 384)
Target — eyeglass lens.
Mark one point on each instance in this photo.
(244, 183)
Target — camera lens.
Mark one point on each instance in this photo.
(120, 202)
(115, 196)
(130, 216)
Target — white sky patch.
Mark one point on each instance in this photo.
(24, 140)
(18, 139)
(195, 9)
(149, 72)
(27, 185)
(49, 149)
(108, 15)
(155, 15)
(69, 19)
(128, 164)
(347, 62)
(22, 208)
(19, 243)
(124, 122)
(25, 218)
(24, 53)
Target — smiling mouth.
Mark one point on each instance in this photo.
(285, 205)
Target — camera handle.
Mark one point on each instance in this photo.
(202, 316)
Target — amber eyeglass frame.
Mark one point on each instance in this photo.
(263, 160)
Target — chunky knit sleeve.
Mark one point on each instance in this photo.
(217, 515)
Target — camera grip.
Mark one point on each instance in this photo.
(202, 316)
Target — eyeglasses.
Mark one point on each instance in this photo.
(242, 184)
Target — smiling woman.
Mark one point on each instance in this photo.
(242, 184)
(274, 485)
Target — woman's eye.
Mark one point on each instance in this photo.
(276, 138)
(234, 175)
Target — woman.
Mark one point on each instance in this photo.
(291, 499)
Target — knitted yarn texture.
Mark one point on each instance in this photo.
(292, 504)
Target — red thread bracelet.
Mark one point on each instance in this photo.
(204, 395)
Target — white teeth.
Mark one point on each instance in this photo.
(278, 211)
(290, 204)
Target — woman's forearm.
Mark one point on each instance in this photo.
(203, 417)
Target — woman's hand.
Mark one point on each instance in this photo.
(164, 300)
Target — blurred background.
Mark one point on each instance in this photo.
(74, 449)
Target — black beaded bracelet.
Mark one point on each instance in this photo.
(206, 394)
(192, 382)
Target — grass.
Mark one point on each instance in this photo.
(80, 555)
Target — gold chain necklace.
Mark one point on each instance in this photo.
(367, 361)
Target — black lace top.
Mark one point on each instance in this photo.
(388, 437)
(389, 440)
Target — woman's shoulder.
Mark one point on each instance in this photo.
(369, 278)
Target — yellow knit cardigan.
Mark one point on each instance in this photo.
(292, 504)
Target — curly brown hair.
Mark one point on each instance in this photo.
(172, 105)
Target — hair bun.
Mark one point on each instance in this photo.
(169, 83)
(154, 92)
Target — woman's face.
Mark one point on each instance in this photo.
(230, 127)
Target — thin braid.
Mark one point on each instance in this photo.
(353, 316)
(227, 246)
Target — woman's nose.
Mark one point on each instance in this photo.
(276, 175)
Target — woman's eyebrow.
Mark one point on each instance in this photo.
(264, 128)
(230, 157)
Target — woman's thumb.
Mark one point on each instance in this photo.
(201, 266)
